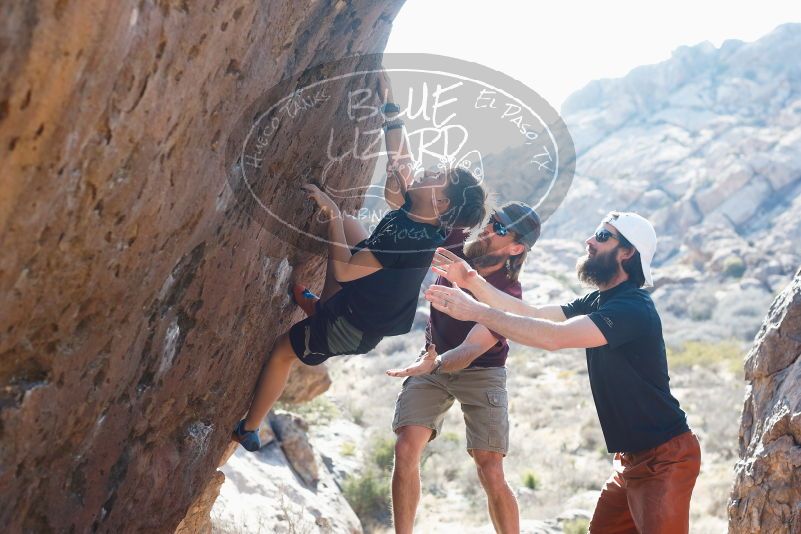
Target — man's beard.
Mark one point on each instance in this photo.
(477, 253)
(597, 270)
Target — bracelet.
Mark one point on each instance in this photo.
(437, 366)
(392, 125)
(390, 107)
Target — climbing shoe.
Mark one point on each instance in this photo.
(304, 298)
(247, 438)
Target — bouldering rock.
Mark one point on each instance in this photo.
(291, 431)
(198, 520)
(766, 497)
(261, 493)
(139, 298)
(266, 434)
(305, 383)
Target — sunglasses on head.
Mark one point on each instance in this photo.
(498, 227)
(602, 235)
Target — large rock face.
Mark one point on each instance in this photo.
(138, 299)
(767, 491)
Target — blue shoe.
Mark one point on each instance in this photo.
(247, 438)
(304, 298)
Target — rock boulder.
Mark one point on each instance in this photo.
(766, 497)
(139, 296)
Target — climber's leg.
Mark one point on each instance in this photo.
(355, 232)
(271, 382)
(311, 341)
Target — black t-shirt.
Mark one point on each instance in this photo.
(448, 333)
(629, 375)
(385, 301)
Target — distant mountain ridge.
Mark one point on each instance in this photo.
(707, 145)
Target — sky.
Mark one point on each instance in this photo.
(557, 47)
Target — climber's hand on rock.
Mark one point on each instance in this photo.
(422, 366)
(327, 206)
(395, 176)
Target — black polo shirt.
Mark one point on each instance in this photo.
(629, 375)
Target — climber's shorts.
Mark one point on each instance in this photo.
(327, 333)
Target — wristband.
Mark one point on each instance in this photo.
(392, 125)
(390, 107)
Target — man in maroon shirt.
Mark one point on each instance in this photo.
(470, 368)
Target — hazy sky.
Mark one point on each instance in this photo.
(556, 47)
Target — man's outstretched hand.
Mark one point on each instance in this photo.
(422, 366)
(453, 268)
(454, 302)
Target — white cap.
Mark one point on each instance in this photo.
(640, 233)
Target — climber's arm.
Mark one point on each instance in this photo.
(400, 164)
(348, 266)
(400, 174)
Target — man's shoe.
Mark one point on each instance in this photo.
(247, 438)
(304, 298)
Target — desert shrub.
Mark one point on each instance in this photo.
(369, 495)
(348, 448)
(710, 354)
(531, 480)
(702, 306)
(358, 416)
(451, 437)
(578, 525)
(383, 453)
(733, 267)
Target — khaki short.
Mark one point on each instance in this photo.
(424, 400)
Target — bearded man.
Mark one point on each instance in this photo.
(656, 457)
(471, 369)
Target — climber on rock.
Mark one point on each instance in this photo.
(657, 458)
(471, 369)
(373, 280)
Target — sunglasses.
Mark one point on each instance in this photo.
(602, 235)
(498, 227)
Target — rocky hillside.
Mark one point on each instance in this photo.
(139, 295)
(767, 489)
(706, 145)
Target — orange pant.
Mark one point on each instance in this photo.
(649, 491)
